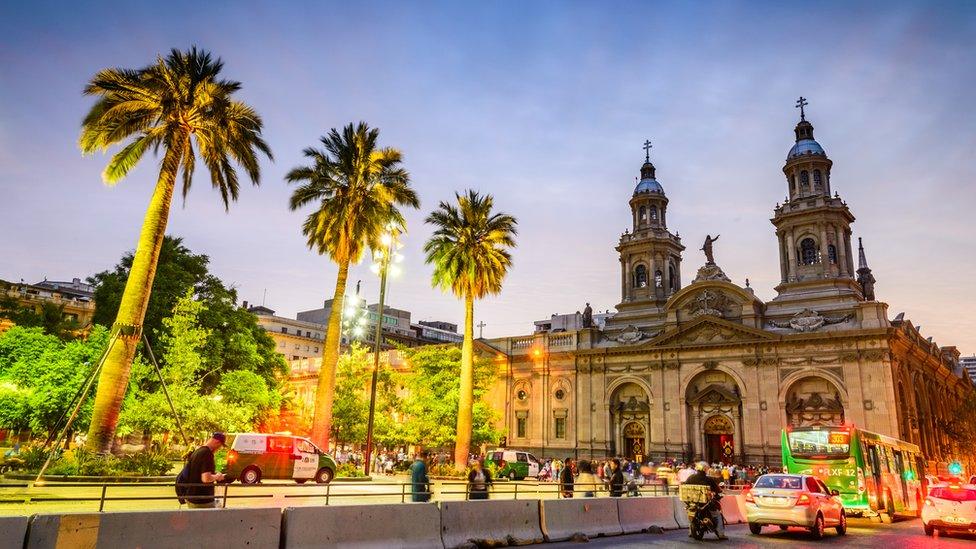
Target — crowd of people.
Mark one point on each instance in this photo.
(665, 472)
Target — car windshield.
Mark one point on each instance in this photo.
(834, 444)
(953, 494)
(779, 481)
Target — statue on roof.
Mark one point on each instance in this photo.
(707, 248)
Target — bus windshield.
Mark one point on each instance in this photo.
(828, 444)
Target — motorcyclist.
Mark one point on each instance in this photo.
(701, 478)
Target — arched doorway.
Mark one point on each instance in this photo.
(719, 439)
(714, 407)
(630, 408)
(813, 401)
(634, 448)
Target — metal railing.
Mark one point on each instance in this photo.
(28, 494)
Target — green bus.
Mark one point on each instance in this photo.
(874, 473)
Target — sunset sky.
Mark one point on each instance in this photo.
(546, 107)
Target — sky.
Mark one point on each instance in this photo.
(545, 105)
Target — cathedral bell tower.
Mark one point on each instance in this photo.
(813, 228)
(650, 256)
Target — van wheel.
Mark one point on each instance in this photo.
(817, 530)
(511, 475)
(324, 475)
(251, 475)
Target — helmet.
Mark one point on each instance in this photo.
(701, 466)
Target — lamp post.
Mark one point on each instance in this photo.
(385, 262)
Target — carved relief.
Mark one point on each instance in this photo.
(709, 302)
(809, 320)
(630, 334)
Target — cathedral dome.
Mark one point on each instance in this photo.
(805, 146)
(647, 183)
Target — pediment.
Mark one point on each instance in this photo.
(708, 330)
(714, 394)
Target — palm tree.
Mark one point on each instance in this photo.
(171, 104)
(358, 188)
(469, 251)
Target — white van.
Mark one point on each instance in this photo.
(515, 464)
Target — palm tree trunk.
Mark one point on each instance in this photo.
(325, 394)
(462, 444)
(114, 378)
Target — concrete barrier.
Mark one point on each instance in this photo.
(639, 514)
(499, 520)
(731, 510)
(161, 529)
(13, 532)
(680, 513)
(563, 518)
(416, 525)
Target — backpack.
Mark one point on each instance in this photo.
(182, 479)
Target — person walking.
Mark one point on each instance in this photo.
(479, 480)
(616, 479)
(566, 480)
(419, 481)
(586, 480)
(201, 474)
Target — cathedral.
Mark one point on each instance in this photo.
(706, 370)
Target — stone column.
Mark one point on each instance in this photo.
(790, 256)
(841, 252)
(824, 256)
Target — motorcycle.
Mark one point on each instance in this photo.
(700, 503)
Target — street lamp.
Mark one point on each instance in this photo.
(385, 263)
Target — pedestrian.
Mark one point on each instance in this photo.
(479, 479)
(586, 480)
(419, 481)
(200, 475)
(566, 479)
(685, 472)
(616, 479)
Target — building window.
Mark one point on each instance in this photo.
(658, 279)
(284, 330)
(560, 394)
(808, 251)
(653, 213)
(640, 277)
(560, 427)
(817, 181)
(308, 334)
(643, 213)
(672, 278)
(804, 183)
(832, 254)
(521, 394)
(520, 427)
(792, 185)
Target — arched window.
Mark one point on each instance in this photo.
(672, 276)
(817, 182)
(832, 254)
(804, 183)
(653, 213)
(808, 251)
(658, 279)
(792, 185)
(640, 277)
(643, 213)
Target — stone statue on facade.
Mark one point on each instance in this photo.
(588, 316)
(809, 320)
(707, 248)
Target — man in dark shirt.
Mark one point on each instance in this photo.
(202, 470)
(566, 479)
(701, 478)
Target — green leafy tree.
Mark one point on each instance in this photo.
(172, 104)
(357, 188)
(470, 253)
(432, 391)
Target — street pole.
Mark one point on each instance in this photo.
(384, 268)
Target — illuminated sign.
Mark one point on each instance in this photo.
(839, 438)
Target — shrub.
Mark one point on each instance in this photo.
(33, 457)
(348, 470)
(145, 463)
(445, 470)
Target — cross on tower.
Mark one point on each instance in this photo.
(647, 151)
(481, 328)
(800, 103)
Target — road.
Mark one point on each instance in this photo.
(860, 533)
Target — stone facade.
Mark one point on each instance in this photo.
(708, 371)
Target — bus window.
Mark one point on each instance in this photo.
(900, 469)
(873, 460)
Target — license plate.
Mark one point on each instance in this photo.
(956, 520)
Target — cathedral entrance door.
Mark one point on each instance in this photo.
(719, 440)
(634, 441)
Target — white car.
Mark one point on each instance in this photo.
(794, 500)
(950, 508)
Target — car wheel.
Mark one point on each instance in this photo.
(929, 530)
(511, 475)
(251, 475)
(817, 530)
(842, 525)
(756, 529)
(324, 475)
(301, 480)
(784, 527)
